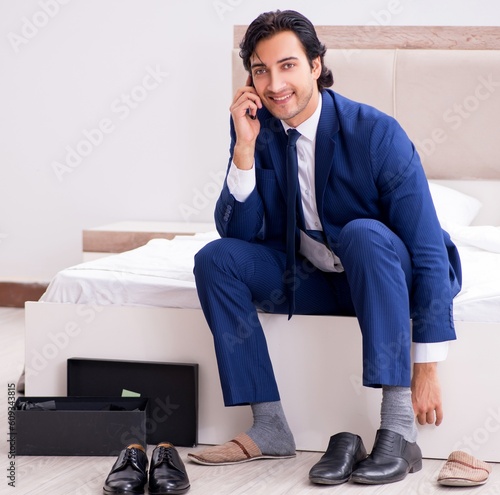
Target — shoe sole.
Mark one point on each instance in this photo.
(364, 481)
(326, 481)
(197, 460)
(121, 492)
(460, 482)
(170, 492)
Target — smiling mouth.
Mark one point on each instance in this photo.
(281, 99)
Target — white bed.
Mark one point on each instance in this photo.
(134, 313)
(160, 273)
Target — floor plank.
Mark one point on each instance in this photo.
(85, 475)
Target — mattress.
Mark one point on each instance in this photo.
(160, 274)
(479, 248)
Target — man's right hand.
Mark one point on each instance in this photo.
(245, 104)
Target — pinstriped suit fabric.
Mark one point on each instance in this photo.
(378, 217)
(234, 278)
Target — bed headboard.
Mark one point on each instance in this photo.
(441, 83)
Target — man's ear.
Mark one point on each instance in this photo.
(316, 67)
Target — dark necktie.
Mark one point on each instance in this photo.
(291, 204)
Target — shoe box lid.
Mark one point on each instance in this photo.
(172, 390)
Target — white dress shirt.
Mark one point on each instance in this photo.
(241, 183)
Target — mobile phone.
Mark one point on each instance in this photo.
(250, 83)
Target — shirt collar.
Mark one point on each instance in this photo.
(309, 127)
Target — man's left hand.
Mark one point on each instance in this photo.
(426, 394)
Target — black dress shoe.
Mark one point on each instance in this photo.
(167, 473)
(391, 459)
(344, 451)
(129, 473)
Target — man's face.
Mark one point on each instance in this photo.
(283, 78)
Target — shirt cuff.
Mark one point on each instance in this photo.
(431, 352)
(241, 183)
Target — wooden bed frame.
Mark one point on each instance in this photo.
(443, 85)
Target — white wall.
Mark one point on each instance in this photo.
(67, 68)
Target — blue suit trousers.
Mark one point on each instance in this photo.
(235, 278)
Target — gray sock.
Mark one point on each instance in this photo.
(270, 429)
(397, 413)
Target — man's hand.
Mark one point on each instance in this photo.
(426, 394)
(244, 108)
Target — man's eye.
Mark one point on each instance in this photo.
(258, 72)
(289, 66)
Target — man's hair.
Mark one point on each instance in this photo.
(270, 23)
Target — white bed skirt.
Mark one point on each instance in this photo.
(317, 361)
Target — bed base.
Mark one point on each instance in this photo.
(317, 361)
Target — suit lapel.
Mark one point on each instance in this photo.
(328, 126)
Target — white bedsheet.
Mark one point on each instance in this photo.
(479, 248)
(161, 274)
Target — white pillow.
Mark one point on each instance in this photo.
(453, 207)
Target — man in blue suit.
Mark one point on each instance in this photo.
(367, 243)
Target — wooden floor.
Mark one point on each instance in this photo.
(85, 475)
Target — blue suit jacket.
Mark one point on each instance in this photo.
(366, 167)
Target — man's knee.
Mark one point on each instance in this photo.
(366, 243)
(362, 229)
(206, 257)
(216, 255)
(362, 236)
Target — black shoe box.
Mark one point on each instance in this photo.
(78, 426)
(171, 390)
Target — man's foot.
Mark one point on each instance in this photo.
(270, 430)
(241, 449)
(391, 459)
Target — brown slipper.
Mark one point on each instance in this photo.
(241, 449)
(462, 469)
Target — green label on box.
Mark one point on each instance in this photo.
(129, 393)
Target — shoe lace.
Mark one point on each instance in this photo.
(164, 454)
(130, 456)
